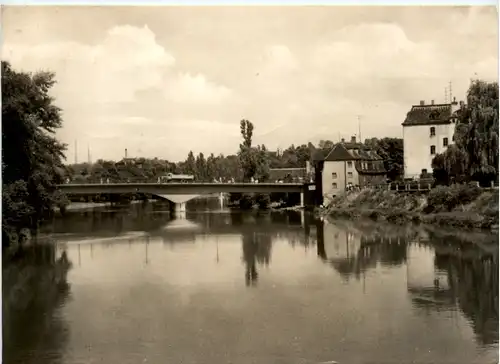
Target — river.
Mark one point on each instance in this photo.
(129, 284)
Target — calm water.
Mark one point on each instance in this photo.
(130, 285)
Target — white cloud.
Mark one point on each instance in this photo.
(162, 91)
(190, 89)
(94, 78)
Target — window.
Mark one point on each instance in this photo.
(433, 149)
(445, 142)
(349, 164)
(433, 131)
(334, 185)
(349, 174)
(334, 175)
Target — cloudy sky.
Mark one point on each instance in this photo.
(161, 81)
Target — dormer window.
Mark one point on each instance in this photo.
(433, 131)
(434, 115)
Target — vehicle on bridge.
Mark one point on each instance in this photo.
(170, 177)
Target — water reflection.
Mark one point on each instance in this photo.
(256, 250)
(269, 287)
(34, 288)
(444, 271)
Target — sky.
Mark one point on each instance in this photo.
(161, 81)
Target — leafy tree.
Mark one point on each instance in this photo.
(474, 156)
(247, 155)
(211, 168)
(32, 158)
(190, 164)
(391, 150)
(201, 166)
(326, 144)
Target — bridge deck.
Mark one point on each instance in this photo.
(180, 188)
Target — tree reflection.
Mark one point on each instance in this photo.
(256, 249)
(473, 279)
(34, 289)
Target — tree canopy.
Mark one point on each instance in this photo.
(32, 158)
(474, 156)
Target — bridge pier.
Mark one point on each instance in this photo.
(178, 207)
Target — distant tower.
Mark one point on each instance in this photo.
(445, 95)
(451, 94)
(76, 152)
(88, 155)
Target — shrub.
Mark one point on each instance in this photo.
(246, 201)
(263, 200)
(444, 198)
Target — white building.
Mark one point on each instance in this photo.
(427, 131)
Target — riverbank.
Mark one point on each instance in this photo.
(461, 206)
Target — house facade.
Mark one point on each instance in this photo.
(427, 130)
(346, 165)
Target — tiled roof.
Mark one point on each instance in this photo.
(346, 152)
(340, 153)
(428, 115)
(370, 167)
(280, 173)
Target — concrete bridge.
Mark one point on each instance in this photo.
(180, 193)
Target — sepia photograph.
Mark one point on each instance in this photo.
(250, 184)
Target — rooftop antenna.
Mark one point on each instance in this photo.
(359, 128)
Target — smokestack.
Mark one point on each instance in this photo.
(125, 152)
(422, 102)
(353, 139)
(432, 102)
(342, 140)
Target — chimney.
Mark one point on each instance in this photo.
(342, 140)
(353, 139)
(422, 102)
(432, 102)
(462, 104)
(125, 152)
(454, 100)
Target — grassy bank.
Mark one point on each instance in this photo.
(459, 206)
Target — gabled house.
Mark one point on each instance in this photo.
(346, 165)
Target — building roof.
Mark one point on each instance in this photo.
(340, 153)
(347, 152)
(429, 115)
(280, 173)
